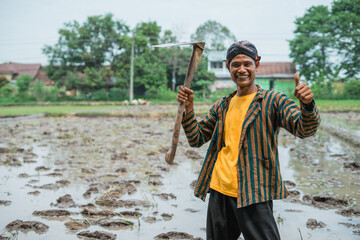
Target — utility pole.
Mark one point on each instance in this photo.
(131, 90)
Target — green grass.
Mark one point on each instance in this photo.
(201, 108)
(50, 110)
(338, 105)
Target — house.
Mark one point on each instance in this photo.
(270, 75)
(11, 71)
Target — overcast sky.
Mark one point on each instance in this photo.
(27, 25)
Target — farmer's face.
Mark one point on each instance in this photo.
(242, 69)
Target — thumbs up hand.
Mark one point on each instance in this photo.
(302, 91)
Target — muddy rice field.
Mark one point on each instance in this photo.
(106, 178)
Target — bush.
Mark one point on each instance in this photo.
(100, 95)
(3, 81)
(23, 82)
(163, 95)
(325, 91)
(44, 93)
(9, 90)
(118, 94)
(352, 90)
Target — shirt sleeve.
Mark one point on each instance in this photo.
(301, 121)
(198, 133)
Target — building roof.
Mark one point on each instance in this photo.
(19, 69)
(41, 75)
(275, 69)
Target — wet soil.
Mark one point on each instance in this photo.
(106, 178)
(97, 235)
(26, 226)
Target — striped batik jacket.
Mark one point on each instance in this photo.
(258, 170)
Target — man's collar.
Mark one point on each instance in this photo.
(259, 95)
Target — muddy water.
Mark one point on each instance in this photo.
(349, 122)
(119, 163)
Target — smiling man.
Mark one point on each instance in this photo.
(241, 167)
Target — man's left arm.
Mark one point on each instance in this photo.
(301, 121)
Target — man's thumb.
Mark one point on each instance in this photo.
(297, 79)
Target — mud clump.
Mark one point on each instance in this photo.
(313, 223)
(49, 186)
(130, 214)
(26, 226)
(349, 212)
(167, 216)
(193, 184)
(294, 194)
(54, 174)
(65, 201)
(90, 191)
(42, 168)
(77, 224)
(155, 183)
(95, 212)
(24, 175)
(5, 202)
(350, 225)
(165, 196)
(174, 235)
(11, 161)
(353, 166)
(149, 219)
(191, 210)
(289, 184)
(52, 213)
(119, 156)
(98, 235)
(35, 193)
(88, 170)
(121, 170)
(325, 201)
(110, 202)
(114, 223)
(62, 183)
(193, 154)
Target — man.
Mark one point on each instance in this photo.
(241, 168)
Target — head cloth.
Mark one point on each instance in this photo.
(242, 47)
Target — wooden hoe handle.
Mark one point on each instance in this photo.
(193, 65)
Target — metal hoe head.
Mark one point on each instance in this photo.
(198, 44)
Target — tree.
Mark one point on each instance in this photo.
(313, 44)
(149, 69)
(3, 81)
(90, 45)
(24, 82)
(346, 30)
(175, 58)
(214, 34)
(203, 78)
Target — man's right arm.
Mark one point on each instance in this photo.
(196, 132)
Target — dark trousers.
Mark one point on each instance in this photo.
(226, 222)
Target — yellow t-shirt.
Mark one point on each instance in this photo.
(224, 176)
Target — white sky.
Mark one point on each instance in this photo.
(27, 25)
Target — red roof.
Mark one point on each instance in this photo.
(41, 75)
(275, 68)
(18, 69)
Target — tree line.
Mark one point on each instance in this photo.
(326, 46)
(96, 55)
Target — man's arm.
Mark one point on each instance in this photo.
(301, 121)
(197, 133)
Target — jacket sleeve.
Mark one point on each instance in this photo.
(198, 133)
(300, 121)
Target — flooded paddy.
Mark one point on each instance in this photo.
(106, 178)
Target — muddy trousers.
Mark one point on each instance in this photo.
(226, 222)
